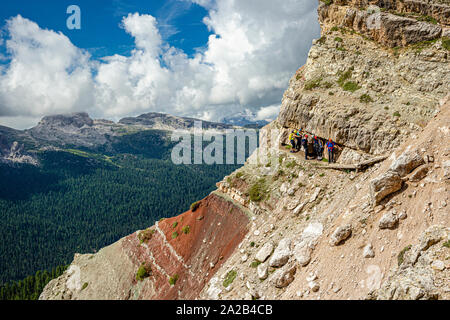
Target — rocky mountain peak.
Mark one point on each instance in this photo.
(77, 120)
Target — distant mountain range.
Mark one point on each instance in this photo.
(245, 119)
(80, 130)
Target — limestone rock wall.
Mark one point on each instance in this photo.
(358, 90)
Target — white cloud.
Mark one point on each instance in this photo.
(268, 113)
(256, 47)
(47, 73)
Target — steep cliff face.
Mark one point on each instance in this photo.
(370, 227)
(363, 86)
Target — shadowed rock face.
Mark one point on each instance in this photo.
(189, 248)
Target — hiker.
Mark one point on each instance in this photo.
(317, 147)
(298, 139)
(305, 145)
(311, 146)
(320, 156)
(331, 145)
(292, 140)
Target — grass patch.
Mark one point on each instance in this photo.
(351, 86)
(446, 43)
(401, 255)
(195, 206)
(255, 264)
(343, 77)
(427, 19)
(321, 40)
(143, 272)
(279, 174)
(229, 278)
(291, 164)
(174, 225)
(419, 46)
(396, 114)
(239, 175)
(84, 286)
(312, 84)
(258, 190)
(446, 244)
(174, 235)
(186, 229)
(327, 85)
(338, 39)
(145, 235)
(365, 98)
(173, 279)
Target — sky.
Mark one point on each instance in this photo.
(208, 59)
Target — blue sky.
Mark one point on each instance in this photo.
(180, 22)
(207, 59)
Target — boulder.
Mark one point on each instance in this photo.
(264, 252)
(314, 286)
(340, 234)
(407, 162)
(298, 209)
(304, 246)
(302, 253)
(281, 254)
(388, 220)
(263, 271)
(368, 251)
(420, 173)
(315, 194)
(384, 185)
(284, 276)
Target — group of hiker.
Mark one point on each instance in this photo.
(312, 145)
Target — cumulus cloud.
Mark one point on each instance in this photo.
(268, 113)
(47, 73)
(255, 48)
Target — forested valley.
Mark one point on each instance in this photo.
(79, 200)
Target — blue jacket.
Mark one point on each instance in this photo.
(330, 145)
